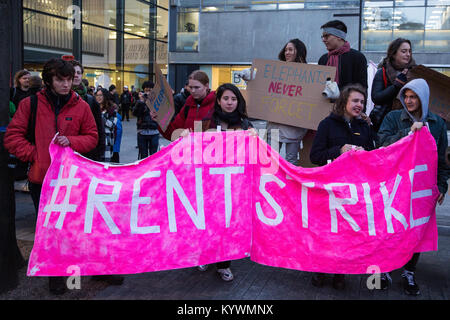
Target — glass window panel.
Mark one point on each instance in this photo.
(289, 6)
(163, 3)
(378, 4)
(58, 8)
(162, 24)
(437, 33)
(46, 31)
(409, 3)
(378, 18)
(137, 18)
(377, 29)
(99, 47)
(136, 54)
(439, 2)
(409, 18)
(437, 18)
(187, 3)
(187, 30)
(161, 56)
(100, 12)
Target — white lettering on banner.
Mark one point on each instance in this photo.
(265, 178)
(137, 200)
(215, 147)
(97, 201)
(417, 195)
(369, 209)
(64, 207)
(227, 172)
(173, 184)
(388, 210)
(336, 204)
(304, 202)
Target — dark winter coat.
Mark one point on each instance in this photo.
(334, 132)
(74, 120)
(144, 120)
(196, 112)
(397, 124)
(179, 100)
(352, 66)
(98, 152)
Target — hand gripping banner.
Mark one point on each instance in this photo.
(222, 196)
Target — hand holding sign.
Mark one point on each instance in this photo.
(160, 102)
(289, 93)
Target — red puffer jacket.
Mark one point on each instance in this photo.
(75, 121)
(195, 113)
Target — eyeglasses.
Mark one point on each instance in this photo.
(99, 95)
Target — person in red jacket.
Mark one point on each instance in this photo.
(197, 106)
(59, 110)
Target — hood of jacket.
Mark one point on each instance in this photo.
(420, 87)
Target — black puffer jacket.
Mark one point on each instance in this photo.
(144, 120)
(334, 132)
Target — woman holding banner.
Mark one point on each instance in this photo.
(342, 131)
(293, 51)
(197, 106)
(229, 112)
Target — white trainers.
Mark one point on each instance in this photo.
(225, 274)
(202, 268)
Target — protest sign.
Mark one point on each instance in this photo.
(161, 99)
(289, 93)
(439, 93)
(221, 196)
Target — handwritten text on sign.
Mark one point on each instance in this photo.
(161, 214)
(289, 93)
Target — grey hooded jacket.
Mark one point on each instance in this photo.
(397, 124)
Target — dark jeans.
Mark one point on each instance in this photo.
(223, 264)
(35, 192)
(411, 265)
(148, 144)
(125, 112)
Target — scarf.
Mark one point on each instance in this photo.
(81, 90)
(333, 58)
(232, 119)
(393, 70)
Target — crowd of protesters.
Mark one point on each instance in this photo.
(95, 128)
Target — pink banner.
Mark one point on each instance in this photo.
(219, 196)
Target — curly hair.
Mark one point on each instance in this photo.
(341, 102)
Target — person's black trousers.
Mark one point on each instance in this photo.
(411, 265)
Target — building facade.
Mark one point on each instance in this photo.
(224, 36)
(117, 41)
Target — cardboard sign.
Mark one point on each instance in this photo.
(289, 93)
(439, 93)
(161, 99)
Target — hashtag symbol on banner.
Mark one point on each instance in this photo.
(65, 206)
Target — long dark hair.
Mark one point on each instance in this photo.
(108, 101)
(341, 102)
(301, 51)
(241, 106)
(393, 48)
